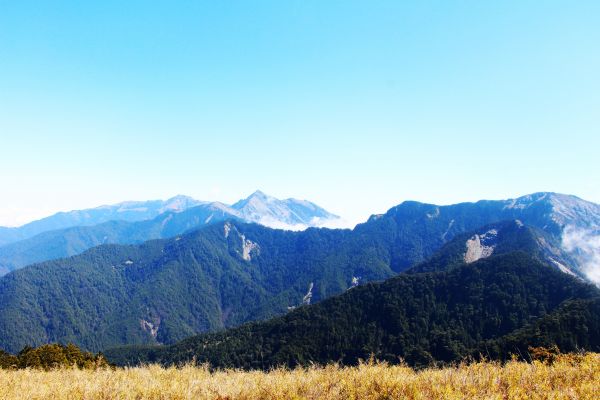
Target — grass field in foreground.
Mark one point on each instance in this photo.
(569, 377)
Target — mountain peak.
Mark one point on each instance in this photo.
(179, 203)
(563, 209)
(180, 197)
(290, 214)
(260, 196)
(544, 197)
(258, 193)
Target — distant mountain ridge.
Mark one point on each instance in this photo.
(567, 219)
(126, 211)
(290, 214)
(230, 272)
(173, 217)
(555, 214)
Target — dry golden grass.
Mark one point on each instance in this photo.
(569, 377)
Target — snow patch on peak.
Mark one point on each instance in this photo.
(226, 229)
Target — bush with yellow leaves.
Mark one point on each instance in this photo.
(566, 377)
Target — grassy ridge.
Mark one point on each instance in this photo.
(568, 376)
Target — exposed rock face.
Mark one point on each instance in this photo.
(480, 246)
(248, 248)
(434, 214)
(562, 267)
(450, 224)
(242, 246)
(308, 296)
(151, 327)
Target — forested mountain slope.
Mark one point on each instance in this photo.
(75, 240)
(166, 219)
(166, 290)
(230, 273)
(421, 318)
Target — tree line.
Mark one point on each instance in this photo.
(50, 356)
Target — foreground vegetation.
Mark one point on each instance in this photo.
(568, 376)
(52, 356)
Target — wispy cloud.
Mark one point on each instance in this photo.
(584, 244)
(335, 223)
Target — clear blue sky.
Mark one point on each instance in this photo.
(354, 105)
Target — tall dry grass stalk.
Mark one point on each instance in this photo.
(569, 377)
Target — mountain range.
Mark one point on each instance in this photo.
(230, 272)
(126, 211)
(491, 307)
(67, 234)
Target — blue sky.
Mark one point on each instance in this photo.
(354, 105)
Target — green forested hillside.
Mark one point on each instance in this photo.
(166, 290)
(426, 317)
(574, 326)
(218, 277)
(75, 240)
(414, 231)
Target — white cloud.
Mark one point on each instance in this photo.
(584, 244)
(336, 223)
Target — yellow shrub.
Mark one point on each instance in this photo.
(567, 377)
